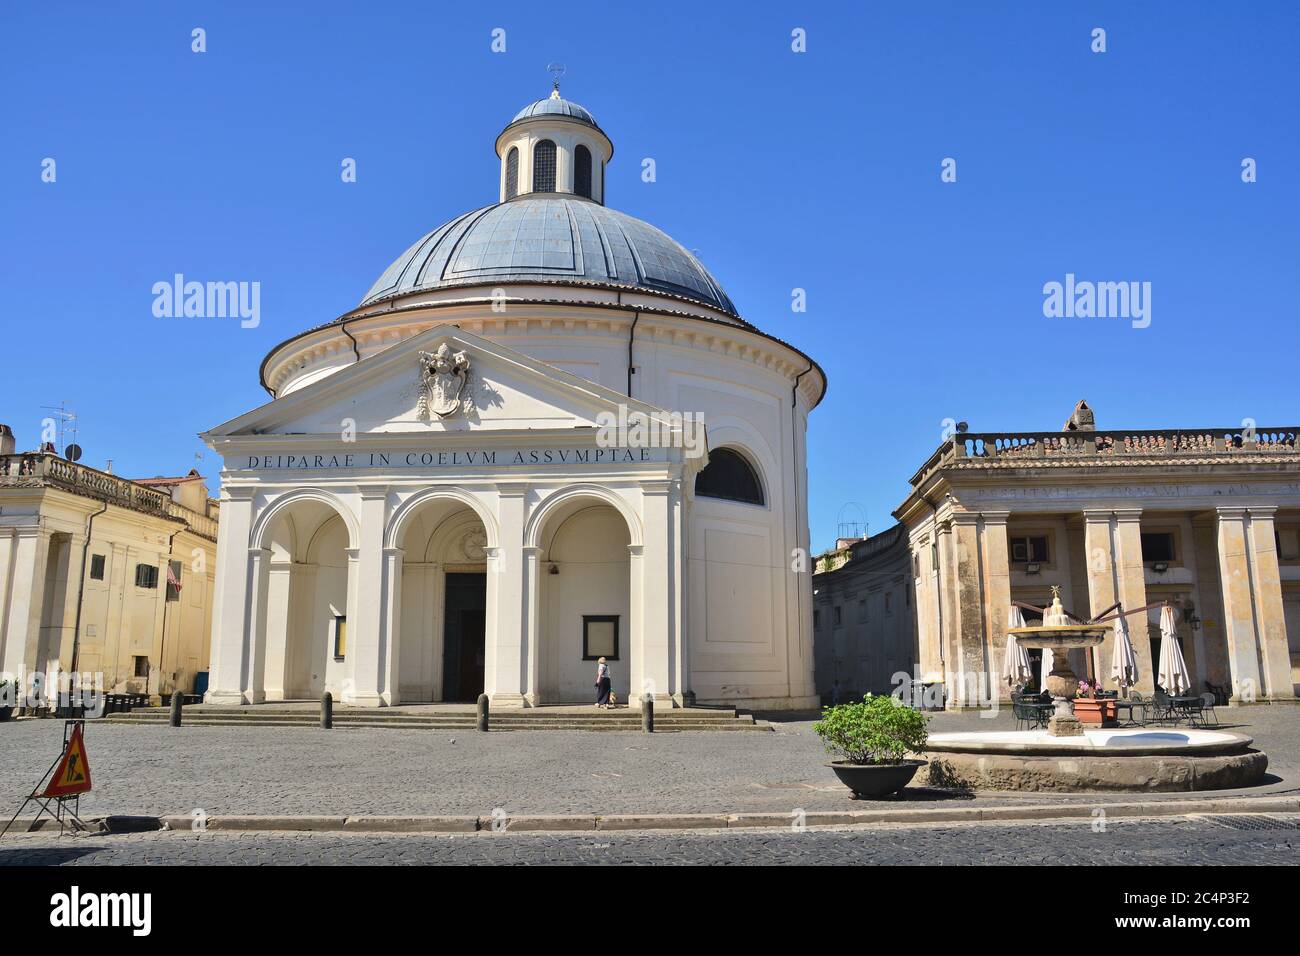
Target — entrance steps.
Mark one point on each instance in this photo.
(444, 718)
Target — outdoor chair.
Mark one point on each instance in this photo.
(1220, 694)
(1162, 708)
(1208, 700)
(1144, 709)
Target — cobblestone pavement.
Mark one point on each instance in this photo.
(304, 770)
(1180, 840)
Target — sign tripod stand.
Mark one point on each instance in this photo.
(63, 784)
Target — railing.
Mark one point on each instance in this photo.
(1162, 443)
(37, 468)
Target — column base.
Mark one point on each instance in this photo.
(510, 701)
(366, 700)
(224, 697)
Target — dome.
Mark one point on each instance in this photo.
(550, 238)
(555, 105)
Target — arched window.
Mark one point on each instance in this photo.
(512, 173)
(582, 171)
(544, 167)
(728, 475)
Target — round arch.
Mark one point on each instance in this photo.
(402, 516)
(573, 493)
(266, 518)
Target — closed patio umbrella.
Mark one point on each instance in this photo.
(1015, 665)
(1124, 665)
(1172, 673)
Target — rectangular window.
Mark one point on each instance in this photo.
(817, 619)
(96, 567)
(599, 637)
(174, 590)
(838, 617)
(1158, 546)
(1029, 548)
(142, 667)
(889, 603)
(146, 576)
(1288, 543)
(340, 637)
(862, 610)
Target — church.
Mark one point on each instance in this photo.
(544, 436)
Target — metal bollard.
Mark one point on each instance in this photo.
(178, 701)
(647, 715)
(482, 712)
(327, 711)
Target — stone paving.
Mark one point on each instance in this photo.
(1185, 840)
(256, 770)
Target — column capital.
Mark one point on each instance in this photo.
(995, 517)
(370, 492)
(1097, 515)
(964, 518)
(238, 492)
(1262, 511)
(394, 552)
(513, 489)
(1230, 512)
(1128, 514)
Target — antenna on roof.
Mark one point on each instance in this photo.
(556, 70)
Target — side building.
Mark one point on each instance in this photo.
(863, 619)
(104, 575)
(1207, 519)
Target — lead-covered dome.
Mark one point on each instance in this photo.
(550, 238)
(556, 105)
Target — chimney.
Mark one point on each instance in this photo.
(1081, 420)
(7, 444)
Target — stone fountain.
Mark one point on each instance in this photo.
(1060, 636)
(1068, 758)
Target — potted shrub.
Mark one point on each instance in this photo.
(8, 697)
(1092, 709)
(873, 738)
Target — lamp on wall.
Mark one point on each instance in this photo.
(1033, 567)
(1189, 616)
(1159, 567)
(554, 569)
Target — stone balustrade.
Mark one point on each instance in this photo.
(39, 469)
(1171, 443)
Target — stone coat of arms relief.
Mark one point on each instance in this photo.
(443, 379)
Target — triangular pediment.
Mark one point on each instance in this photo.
(502, 390)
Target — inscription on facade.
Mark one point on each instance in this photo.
(461, 458)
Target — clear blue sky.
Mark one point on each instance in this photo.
(782, 170)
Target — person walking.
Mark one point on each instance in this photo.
(602, 683)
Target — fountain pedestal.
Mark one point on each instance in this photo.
(1061, 683)
(1057, 634)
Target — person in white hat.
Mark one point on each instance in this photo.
(602, 683)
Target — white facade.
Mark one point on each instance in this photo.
(511, 520)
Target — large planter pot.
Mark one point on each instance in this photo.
(6, 713)
(871, 781)
(1096, 712)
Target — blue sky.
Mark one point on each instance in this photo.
(818, 170)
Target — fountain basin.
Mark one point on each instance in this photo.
(1129, 759)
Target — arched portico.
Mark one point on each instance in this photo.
(302, 573)
(438, 545)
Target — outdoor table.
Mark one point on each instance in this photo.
(1181, 707)
(1125, 704)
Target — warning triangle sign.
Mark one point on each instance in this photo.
(72, 776)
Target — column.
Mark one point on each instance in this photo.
(1252, 606)
(509, 660)
(279, 622)
(997, 594)
(1275, 655)
(30, 552)
(1130, 576)
(229, 599)
(660, 617)
(968, 668)
(369, 645)
(259, 579)
(390, 629)
(532, 624)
